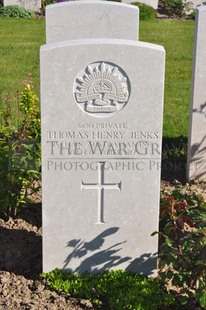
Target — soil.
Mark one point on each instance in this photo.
(21, 265)
(21, 261)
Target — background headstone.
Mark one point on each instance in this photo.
(32, 5)
(152, 3)
(192, 5)
(196, 165)
(91, 19)
(102, 103)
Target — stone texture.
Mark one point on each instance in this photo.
(91, 19)
(32, 5)
(196, 166)
(101, 163)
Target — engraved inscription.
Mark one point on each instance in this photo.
(100, 186)
(101, 89)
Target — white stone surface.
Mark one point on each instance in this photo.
(91, 19)
(102, 104)
(32, 5)
(152, 3)
(196, 166)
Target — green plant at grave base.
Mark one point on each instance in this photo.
(183, 244)
(15, 11)
(146, 12)
(174, 148)
(114, 290)
(19, 149)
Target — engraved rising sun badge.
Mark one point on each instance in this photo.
(101, 89)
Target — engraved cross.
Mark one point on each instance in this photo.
(101, 186)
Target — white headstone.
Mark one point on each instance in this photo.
(152, 3)
(91, 19)
(102, 104)
(190, 6)
(196, 165)
(32, 5)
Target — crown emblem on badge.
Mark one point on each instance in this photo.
(101, 89)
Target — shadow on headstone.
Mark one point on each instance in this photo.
(98, 261)
(197, 154)
(94, 260)
(145, 264)
(196, 166)
(198, 149)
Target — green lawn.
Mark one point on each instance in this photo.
(20, 40)
(177, 39)
(19, 47)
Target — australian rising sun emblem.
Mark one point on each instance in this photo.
(102, 88)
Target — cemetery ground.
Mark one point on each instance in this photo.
(20, 236)
(21, 261)
(21, 39)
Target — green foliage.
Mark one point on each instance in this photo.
(15, 11)
(146, 12)
(114, 290)
(19, 149)
(183, 244)
(177, 8)
(174, 148)
(172, 7)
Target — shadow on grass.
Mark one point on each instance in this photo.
(174, 159)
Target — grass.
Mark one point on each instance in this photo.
(177, 39)
(20, 41)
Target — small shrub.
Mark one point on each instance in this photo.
(19, 150)
(114, 290)
(183, 244)
(15, 11)
(146, 11)
(172, 7)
